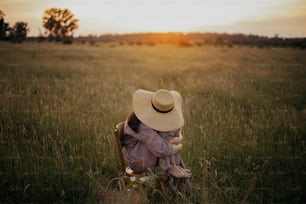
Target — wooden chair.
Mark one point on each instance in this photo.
(161, 179)
(118, 132)
(117, 190)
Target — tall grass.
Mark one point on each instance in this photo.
(245, 111)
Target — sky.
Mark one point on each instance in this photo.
(287, 18)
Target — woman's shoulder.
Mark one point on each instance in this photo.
(147, 129)
(144, 128)
(173, 133)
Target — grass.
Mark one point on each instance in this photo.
(245, 111)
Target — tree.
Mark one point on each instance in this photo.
(59, 24)
(4, 27)
(19, 32)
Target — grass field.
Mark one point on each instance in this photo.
(245, 111)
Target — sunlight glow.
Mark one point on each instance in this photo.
(173, 15)
(106, 16)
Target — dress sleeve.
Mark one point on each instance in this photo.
(154, 142)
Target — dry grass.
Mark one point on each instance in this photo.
(245, 112)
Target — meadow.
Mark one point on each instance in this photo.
(245, 111)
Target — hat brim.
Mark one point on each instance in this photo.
(145, 112)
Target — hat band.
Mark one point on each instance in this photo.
(160, 111)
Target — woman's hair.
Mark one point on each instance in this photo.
(133, 122)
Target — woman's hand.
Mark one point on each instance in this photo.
(177, 148)
(176, 140)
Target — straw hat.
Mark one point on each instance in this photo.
(160, 110)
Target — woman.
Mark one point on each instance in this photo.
(152, 135)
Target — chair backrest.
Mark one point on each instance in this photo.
(118, 132)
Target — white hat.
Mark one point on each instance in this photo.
(160, 110)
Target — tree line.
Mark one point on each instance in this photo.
(17, 33)
(59, 25)
(197, 39)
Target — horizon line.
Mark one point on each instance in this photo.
(178, 32)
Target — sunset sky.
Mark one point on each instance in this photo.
(286, 18)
